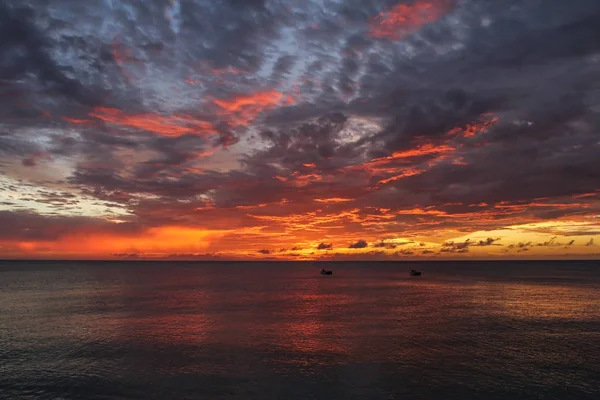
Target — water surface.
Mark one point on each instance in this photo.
(97, 330)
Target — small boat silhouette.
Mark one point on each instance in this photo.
(325, 272)
(415, 272)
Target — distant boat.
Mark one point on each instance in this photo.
(415, 272)
(324, 272)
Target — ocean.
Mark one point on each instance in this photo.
(171, 330)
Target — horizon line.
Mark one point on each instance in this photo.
(301, 261)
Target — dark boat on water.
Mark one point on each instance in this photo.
(325, 272)
(415, 272)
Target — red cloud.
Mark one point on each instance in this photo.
(404, 19)
(176, 125)
(243, 109)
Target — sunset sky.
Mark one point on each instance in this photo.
(299, 129)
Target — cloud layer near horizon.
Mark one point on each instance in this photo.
(299, 129)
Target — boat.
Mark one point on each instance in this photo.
(415, 272)
(325, 272)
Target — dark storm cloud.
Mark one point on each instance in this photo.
(283, 65)
(484, 84)
(434, 116)
(239, 45)
(551, 124)
(24, 49)
(308, 143)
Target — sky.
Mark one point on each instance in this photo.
(299, 129)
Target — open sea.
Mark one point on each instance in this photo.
(162, 330)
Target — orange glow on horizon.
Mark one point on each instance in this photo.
(299, 235)
(168, 239)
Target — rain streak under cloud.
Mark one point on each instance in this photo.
(265, 129)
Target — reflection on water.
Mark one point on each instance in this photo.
(160, 331)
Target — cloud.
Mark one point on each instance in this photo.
(361, 244)
(488, 242)
(28, 47)
(549, 243)
(456, 247)
(403, 19)
(390, 119)
(325, 246)
(383, 244)
(131, 256)
(520, 246)
(165, 125)
(264, 251)
(30, 226)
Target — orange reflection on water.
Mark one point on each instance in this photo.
(307, 326)
(528, 301)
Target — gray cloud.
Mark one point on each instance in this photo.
(325, 246)
(361, 244)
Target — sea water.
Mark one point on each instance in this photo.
(162, 330)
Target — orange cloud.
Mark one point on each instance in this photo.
(304, 179)
(585, 195)
(250, 207)
(388, 165)
(243, 109)
(404, 19)
(404, 174)
(77, 121)
(176, 125)
(522, 207)
(426, 149)
(333, 200)
(473, 129)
